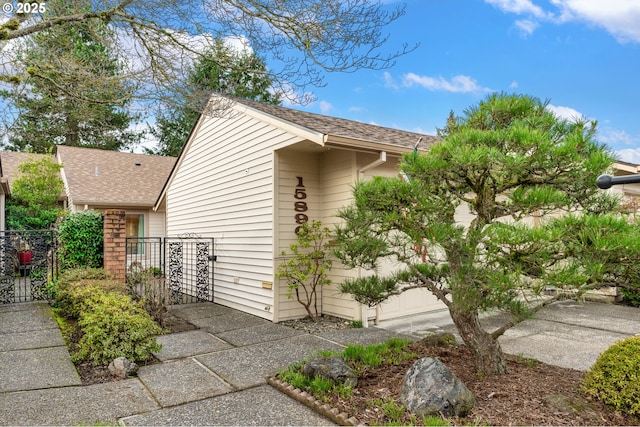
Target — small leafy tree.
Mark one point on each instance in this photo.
(306, 268)
(507, 159)
(34, 195)
(81, 238)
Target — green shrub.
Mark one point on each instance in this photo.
(73, 275)
(615, 377)
(33, 204)
(115, 326)
(356, 324)
(74, 297)
(81, 238)
(631, 295)
(111, 323)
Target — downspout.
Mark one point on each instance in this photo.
(382, 159)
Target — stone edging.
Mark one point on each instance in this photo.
(309, 400)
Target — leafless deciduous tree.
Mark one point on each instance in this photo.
(299, 39)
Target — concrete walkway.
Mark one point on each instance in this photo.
(212, 375)
(216, 375)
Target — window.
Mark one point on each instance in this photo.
(135, 229)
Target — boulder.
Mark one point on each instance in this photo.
(121, 367)
(333, 368)
(431, 389)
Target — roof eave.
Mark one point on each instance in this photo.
(626, 167)
(296, 129)
(366, 145)
(4, 186)
(102, 204)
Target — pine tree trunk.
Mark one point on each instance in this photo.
(486, 351)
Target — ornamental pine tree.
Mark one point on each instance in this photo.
(514, 166)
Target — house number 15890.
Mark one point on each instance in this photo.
(300, 205)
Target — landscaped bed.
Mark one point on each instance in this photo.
(533, 393)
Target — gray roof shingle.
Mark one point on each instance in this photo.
(112, 178)
(342, 127)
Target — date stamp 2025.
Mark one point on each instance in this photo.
(20, 8)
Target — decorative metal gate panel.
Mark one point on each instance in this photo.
(27, 261)
(181, 266)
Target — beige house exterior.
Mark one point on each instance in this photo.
(631, 192)
(253, 173)
(248, 175)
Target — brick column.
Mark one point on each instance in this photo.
(115, 251)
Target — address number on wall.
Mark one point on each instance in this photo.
(300, 205)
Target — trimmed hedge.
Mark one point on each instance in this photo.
(615, 377)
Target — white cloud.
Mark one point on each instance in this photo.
(621, 18)
(240, 44)
(389, 81)
(418, 129)
(630, 155)
(457, 84)
(325, 107)
(526, 26)
(519, 7)
(566, 113)
(617, 138)
(513, 85)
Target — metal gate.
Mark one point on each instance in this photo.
(178, 269)
(27, 262)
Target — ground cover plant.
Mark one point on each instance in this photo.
(532, 394)
(100, 321)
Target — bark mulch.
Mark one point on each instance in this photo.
(532, 393)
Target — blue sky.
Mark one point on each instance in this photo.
(582, 55)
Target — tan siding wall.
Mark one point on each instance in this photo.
(293, 164)
(224, 189)
(156, 224)
(338, 173)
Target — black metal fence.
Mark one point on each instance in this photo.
(27, 262)
(171, 270)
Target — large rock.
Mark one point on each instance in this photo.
(333, 368)
(430, 388)
(121, 367)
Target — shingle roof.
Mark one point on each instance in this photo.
(112, 178)
(10, 160)
(342, 127)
